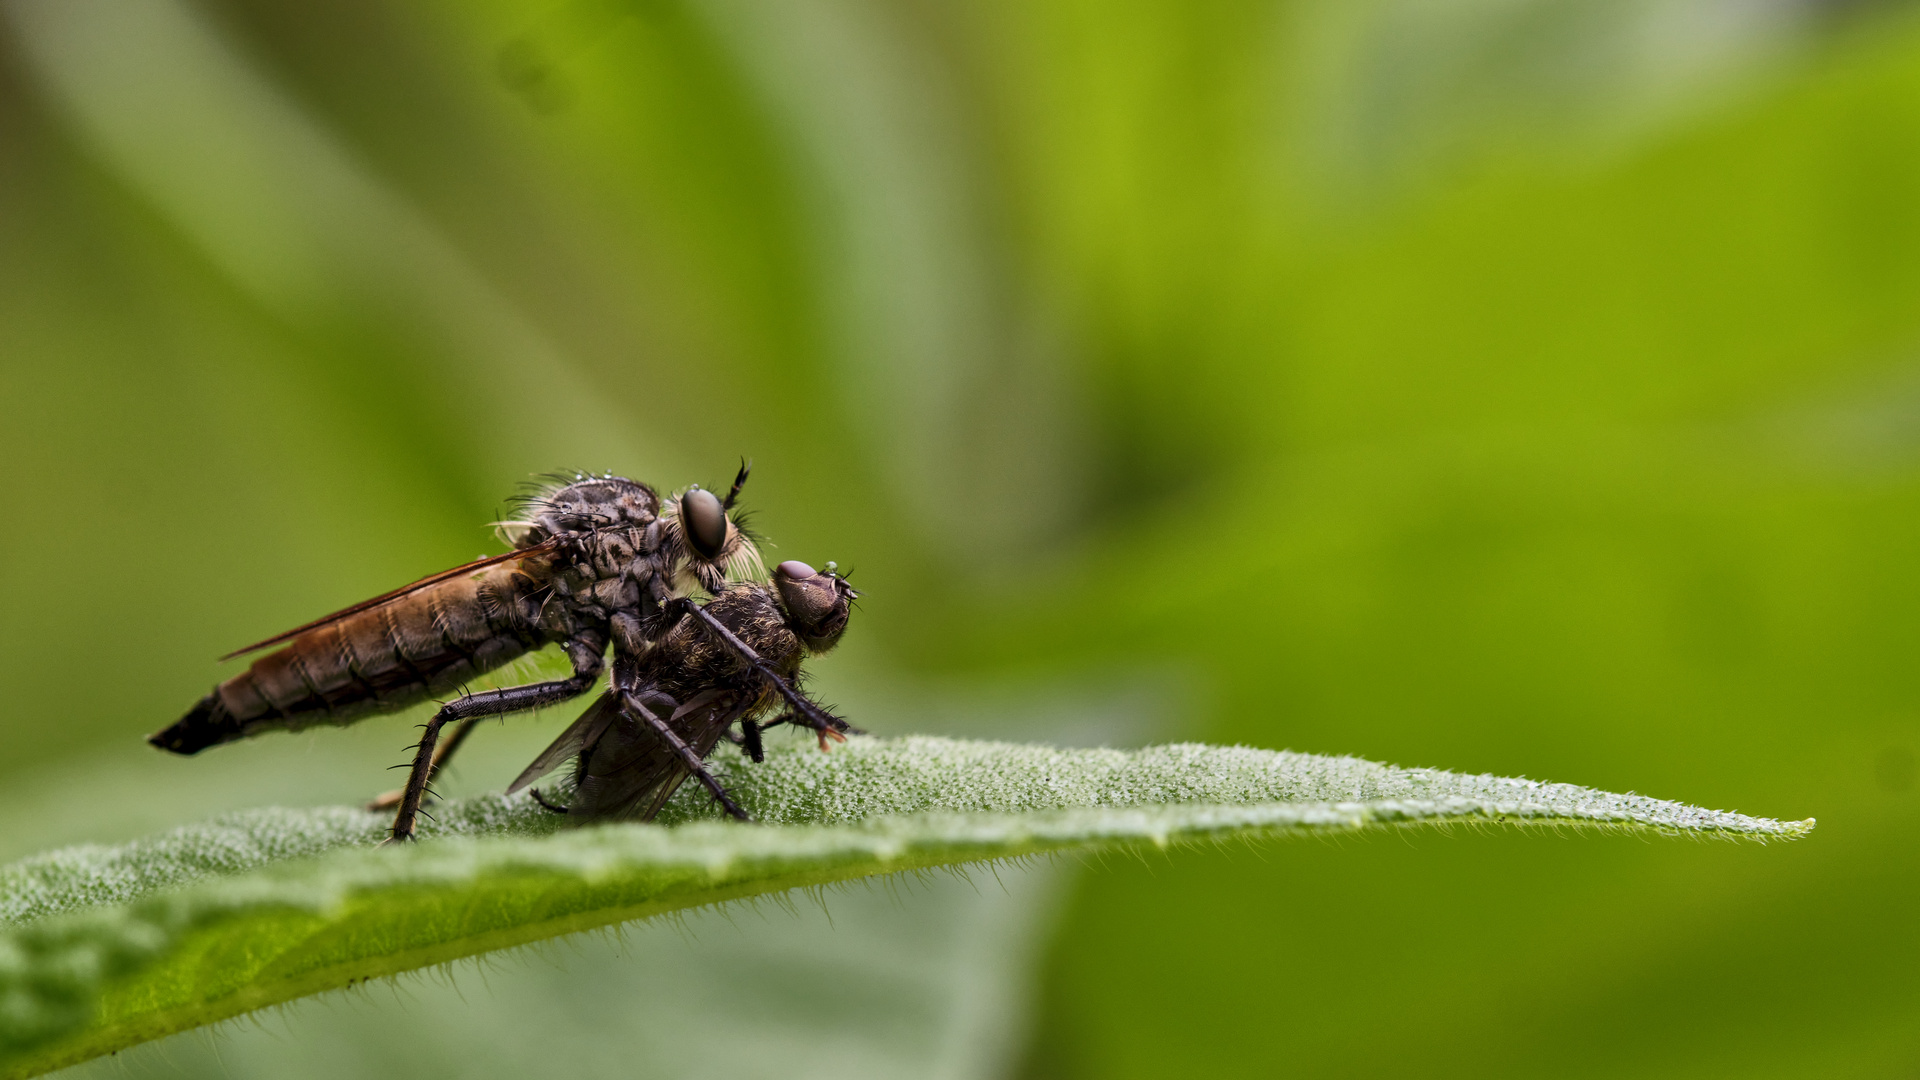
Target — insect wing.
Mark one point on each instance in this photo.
(579, 735)
(625, 767)
(630, 773)
(700, 723)
(356, 609)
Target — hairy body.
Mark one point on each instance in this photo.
(598, 561)
(694, 682)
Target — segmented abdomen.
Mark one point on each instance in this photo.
(423, 644)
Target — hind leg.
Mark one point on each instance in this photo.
(382, 803)
(512, 699)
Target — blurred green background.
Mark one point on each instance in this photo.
(1513, 386)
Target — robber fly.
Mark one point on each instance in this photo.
(666, 710)
(597, 561)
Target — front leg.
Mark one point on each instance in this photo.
(821, 733)
(472, 707)
(802, 711)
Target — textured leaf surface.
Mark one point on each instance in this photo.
(107, 947)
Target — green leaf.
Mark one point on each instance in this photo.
(111, 946)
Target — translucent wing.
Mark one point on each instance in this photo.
(630, 773)
(395, 594)
(579, 735)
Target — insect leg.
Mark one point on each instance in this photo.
(686, 754)
(791, 717)
(486, 703)
(452, 744)
(807, 714)
(392, 798)
(750, 740)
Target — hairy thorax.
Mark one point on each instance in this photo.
(690, 658)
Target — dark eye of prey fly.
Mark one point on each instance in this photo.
(705, 522)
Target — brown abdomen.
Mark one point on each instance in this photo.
(423, 644)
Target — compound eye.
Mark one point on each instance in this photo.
(705, 522)
(817, 603)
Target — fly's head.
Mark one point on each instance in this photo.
(817, 603)
(705, 540)
(569, 504)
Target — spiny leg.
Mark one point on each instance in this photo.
(821, 733)
(472, 707)
(686, 754)
(392, 798)
(807, 714)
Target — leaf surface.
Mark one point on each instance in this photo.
(105, 947)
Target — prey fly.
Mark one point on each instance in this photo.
(597, 562)
(664, 712)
